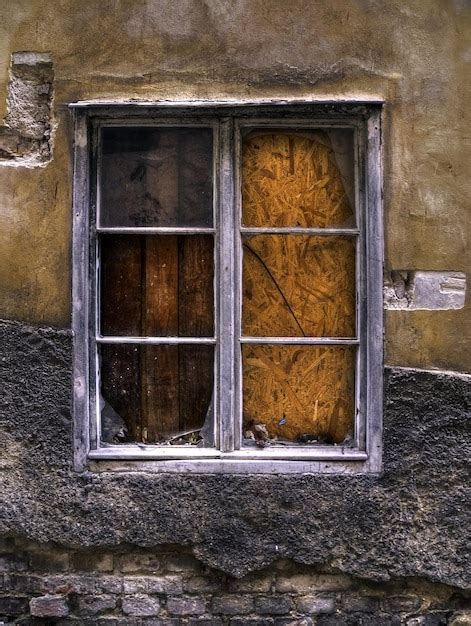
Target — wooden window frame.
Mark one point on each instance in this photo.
(227, 118)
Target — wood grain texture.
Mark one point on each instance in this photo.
(158, 286)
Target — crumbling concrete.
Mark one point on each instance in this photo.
(25, 139)
(410, 521)
(426, 291)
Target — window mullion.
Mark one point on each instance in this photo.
(226, 311)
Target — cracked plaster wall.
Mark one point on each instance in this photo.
(413, 56)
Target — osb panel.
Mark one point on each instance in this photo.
(293, 179)
(296, 285)
(300, 393)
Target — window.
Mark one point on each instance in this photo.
(227, 290)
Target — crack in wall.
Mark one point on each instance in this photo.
(26, 136)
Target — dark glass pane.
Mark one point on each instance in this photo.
(300, 394)
(298, 178)
(156, 177)
(296, 285)
(157, 394)
(157, 285)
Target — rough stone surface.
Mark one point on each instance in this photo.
(411, 521)
(25, 139)
(49, 606)
(418, 290)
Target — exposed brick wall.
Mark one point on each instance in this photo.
(43, 584)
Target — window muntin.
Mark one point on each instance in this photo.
(229, 385)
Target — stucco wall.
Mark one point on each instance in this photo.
(412, 55)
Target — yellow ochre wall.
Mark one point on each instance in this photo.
(412, 54)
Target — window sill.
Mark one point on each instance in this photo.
(322, 460)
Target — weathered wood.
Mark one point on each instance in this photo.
(297, 115)
(196, 318)
(160, 317)
(121, 314)
(121, 284)
(80, 287)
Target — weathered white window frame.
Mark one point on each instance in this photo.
(227, 119)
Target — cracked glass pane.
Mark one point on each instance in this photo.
(158, 394)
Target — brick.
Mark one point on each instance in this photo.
(153, 584)
(109, 584)
(305, 583)
(251, 621)
(424, 290)
(337, 620)
(12, 605)
(50, 561)
(273, 605)
(436, 619)
(398, 604)
(252, 584)
(165, 621)
(49, 606)
(186, 606)
(290, 621)
(204, 621)
(23, 583)
(93, 605)
(360, 604)
(119, 621)
(86, 562)
(184, 563)
(141, 605)
(13, 563)
(201, 584)
(232, 605)
(315, 604)
(131, 563)
(60, 583)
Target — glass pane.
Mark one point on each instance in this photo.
(157, 394)
(296, 285)
(299, 394)
(157, 177)
(157, 285)
(298, 178)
